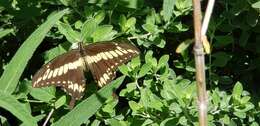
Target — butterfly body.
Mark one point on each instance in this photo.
(67, 70)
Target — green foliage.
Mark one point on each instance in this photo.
(12, 73)
(10, 103)
(158, 87)
(5, 32)
(82, 111)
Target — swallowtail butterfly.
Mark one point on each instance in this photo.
(67, 70)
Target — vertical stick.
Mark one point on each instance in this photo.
(200, 65)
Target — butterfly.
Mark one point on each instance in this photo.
(67, 70)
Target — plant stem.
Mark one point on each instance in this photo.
(48, 117)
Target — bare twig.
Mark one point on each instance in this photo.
(207, 17)
(48, 117)
(141, 36)
(33, 101)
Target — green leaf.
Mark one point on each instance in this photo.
(224, 103)
(215, 98)
(43, 94)
(183, 121)
(71, 35)
(23, 89)
(96, 123)
(148, 83)
(244, 38)
(78, 24)
(221, 59)
(108, 108)
(163, 61)
(256, 5)
(111, 102)
(130, 88)
(151, 17)
(168, 9)
(226, 119)
(144, 70)
(104, 33)
(159, 42)
(145, 97)
(147, 122)
(184, 45)
(245, 99)
(149, 58)
(133, 4)
(127, 25)
(254, 124)
(100, 16)
(178, 26)
(89, 106)
(9, 103)
(149, 100)
(169, 121)
(131, 22)
(150, 28)
(60, 102)
(222, 41)
(246, 107)
(15, 68)
(190, 90)
(116, 122)
(237, 91)
(4, 32)
(252, 17)
(88, 29)
(183, 5)
(225, 79)
(241, 115)
(135, 62)
(122, 23)
(210, 118)
(155, 102)
(175, 107)
(123, 69)
(54, 52)
(4, 121)
(66, 2)
(134, 106)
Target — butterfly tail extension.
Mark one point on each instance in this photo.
(72, 103)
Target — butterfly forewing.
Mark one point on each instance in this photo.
(103, 58)
(65, 70)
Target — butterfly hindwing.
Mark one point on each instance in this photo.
(63, 71)
(103, 59)
(75, 84)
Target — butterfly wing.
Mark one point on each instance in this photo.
(66, 70)
(104, 58)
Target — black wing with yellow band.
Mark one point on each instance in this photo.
(67, 70)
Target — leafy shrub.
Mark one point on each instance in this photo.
(157, 88)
